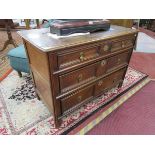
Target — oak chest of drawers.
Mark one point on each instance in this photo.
(71, 71)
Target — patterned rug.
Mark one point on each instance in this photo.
(5, 67)
(22, 113)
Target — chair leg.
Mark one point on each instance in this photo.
(19, 73)
(38, 97)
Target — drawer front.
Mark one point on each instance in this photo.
(76, 57)
(122, 43)
(77, 77)
(69, 58)
(77, 98)
(116, 44)
(109, 64)
(118, 60)
(109, 81)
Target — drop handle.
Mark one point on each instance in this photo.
(123, 44)
(82, 56)
(103, 62)
(106, 48)
(100, 83)
(79, 98)
(119, 60)
(79, 78)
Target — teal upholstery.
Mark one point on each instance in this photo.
(47, 24)
(18, 59)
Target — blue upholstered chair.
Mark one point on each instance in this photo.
(18, 60)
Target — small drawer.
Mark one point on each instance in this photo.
(122, 43)
(74, 57)
(77, 77)
(76, 99)
(118, 60)
(109, 81)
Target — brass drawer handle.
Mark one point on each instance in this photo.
(79, 78)
(123, 44)
(119, 60)
(79, 98)
(82, 56)
(103, 62)
(106, 48)
(100, 83)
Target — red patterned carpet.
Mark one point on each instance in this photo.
(136, 116)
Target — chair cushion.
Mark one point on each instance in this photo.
(47, 24)
(18, 52)
(18, 59)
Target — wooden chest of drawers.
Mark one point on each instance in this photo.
(71, 71)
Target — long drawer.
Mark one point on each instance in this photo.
(77, 77)
(73, 100)
(84, 95)
(85, 53)
(77, 56)
(86, 74)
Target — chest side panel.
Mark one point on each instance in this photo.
(38, 62)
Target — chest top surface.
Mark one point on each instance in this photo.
(45, 41)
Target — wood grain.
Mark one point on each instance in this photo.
(69, 72)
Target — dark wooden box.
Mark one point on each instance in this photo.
(62, 28)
